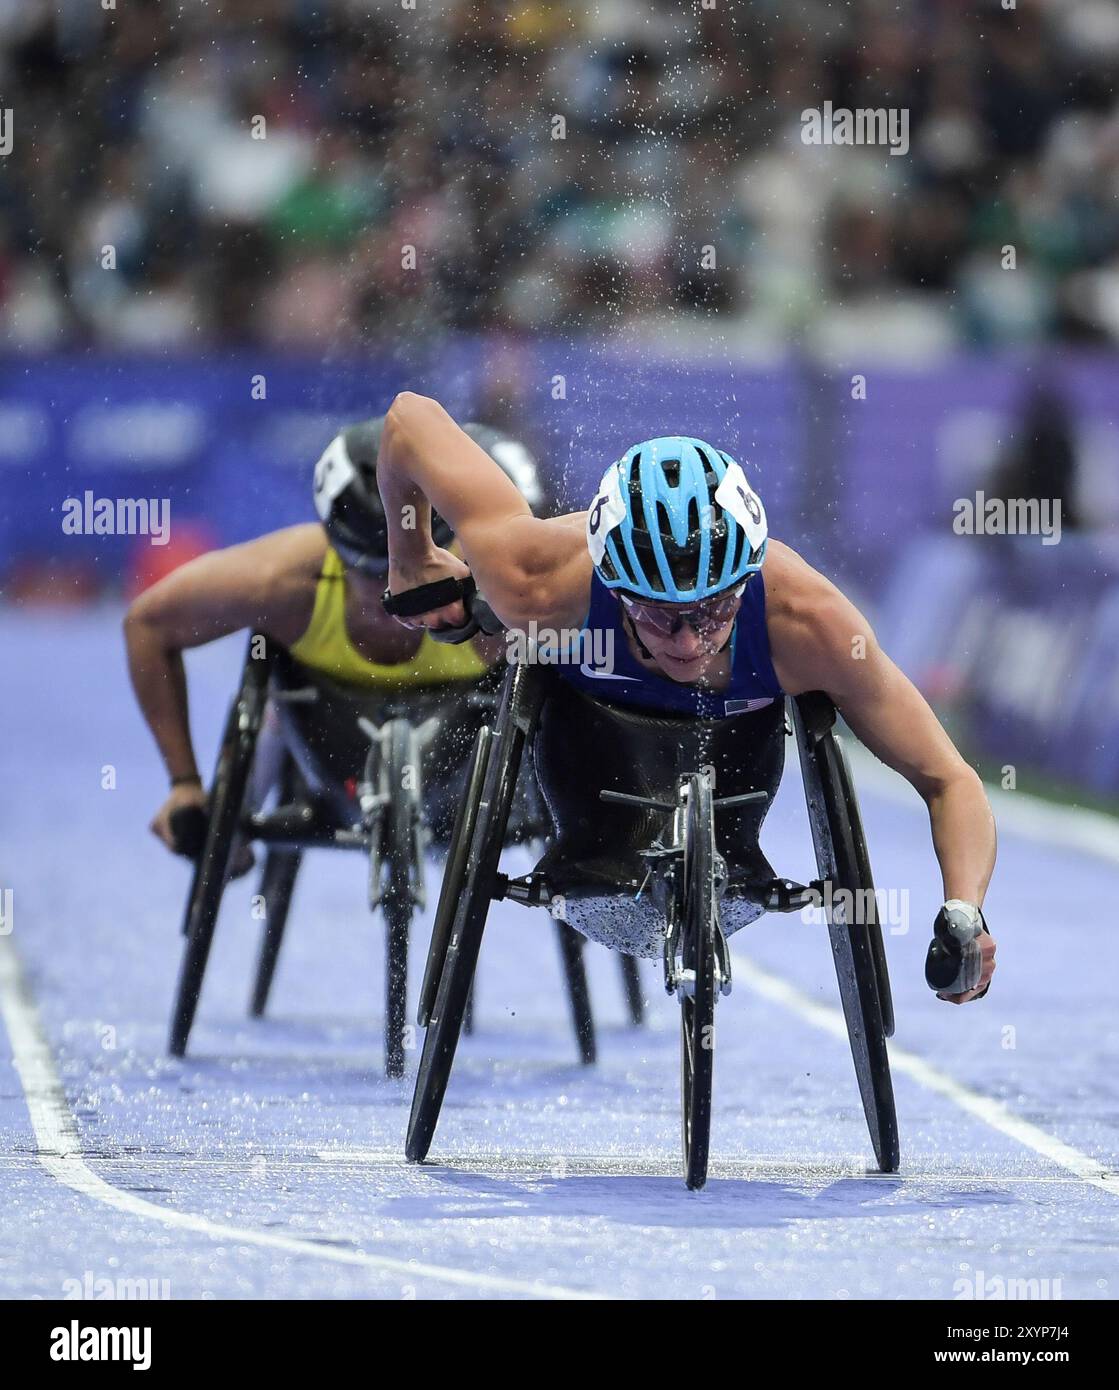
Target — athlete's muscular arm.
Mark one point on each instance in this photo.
(527, 567)
(210, 597)
(820, 641)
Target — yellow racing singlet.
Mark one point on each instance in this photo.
(326, 645)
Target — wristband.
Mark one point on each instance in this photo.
(426, 597)
(184, 778)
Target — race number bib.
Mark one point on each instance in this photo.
(333, 474)
(736, 495)
(607, 510)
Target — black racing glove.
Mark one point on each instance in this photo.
(188, 830)
(954, 962)
(480, 617)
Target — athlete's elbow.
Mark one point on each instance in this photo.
(143, 627)
(970, 784)
(157, 616)
(403, 423)
(959, 780)
(139, 613)
(407, 409)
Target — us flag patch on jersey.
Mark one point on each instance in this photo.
(746, 706)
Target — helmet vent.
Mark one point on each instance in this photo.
(635, 507)
(739, 546)
(710, 477)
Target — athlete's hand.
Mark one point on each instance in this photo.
(961, 957)
(185, 797)
(437, 564)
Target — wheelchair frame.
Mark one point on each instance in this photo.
(472, 880)
(386, 826)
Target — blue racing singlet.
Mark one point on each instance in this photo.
(601, 665)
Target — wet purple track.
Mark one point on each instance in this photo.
(269, 1162)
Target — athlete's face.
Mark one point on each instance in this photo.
(684, 640)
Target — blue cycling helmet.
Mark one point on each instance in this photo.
(675, 520)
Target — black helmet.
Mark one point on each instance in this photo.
(513, 458)
(349, 504)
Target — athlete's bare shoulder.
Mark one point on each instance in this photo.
(290, 562)
(285, 564)
(791, 583)
(812, 624)
(267, 583)
(296, 551)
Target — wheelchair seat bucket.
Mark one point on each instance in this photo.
(853, 927)
(388, 763)
(595, 861)
(322, 726)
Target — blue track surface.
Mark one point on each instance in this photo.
(275, 1148)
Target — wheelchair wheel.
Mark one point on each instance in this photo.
(453, 875)
(578, 992)
(227, 796)
(697, 1004)
(631, 986)
(490, 816)
(400, 856)
(277, 883)
(857, 947)
(846, 788)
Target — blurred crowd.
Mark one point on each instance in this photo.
(318, 174)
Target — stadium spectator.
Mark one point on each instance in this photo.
(261, 166)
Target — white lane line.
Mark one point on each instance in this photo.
(60, 1153)
(991, 1112)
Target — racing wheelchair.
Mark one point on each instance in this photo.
(411, 751)
(659, 865)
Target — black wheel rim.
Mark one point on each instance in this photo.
(441, 1040)
(857, 949)
(399, 852)
(697, 1012)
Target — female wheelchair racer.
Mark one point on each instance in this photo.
(359, 737)
(666, 565)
